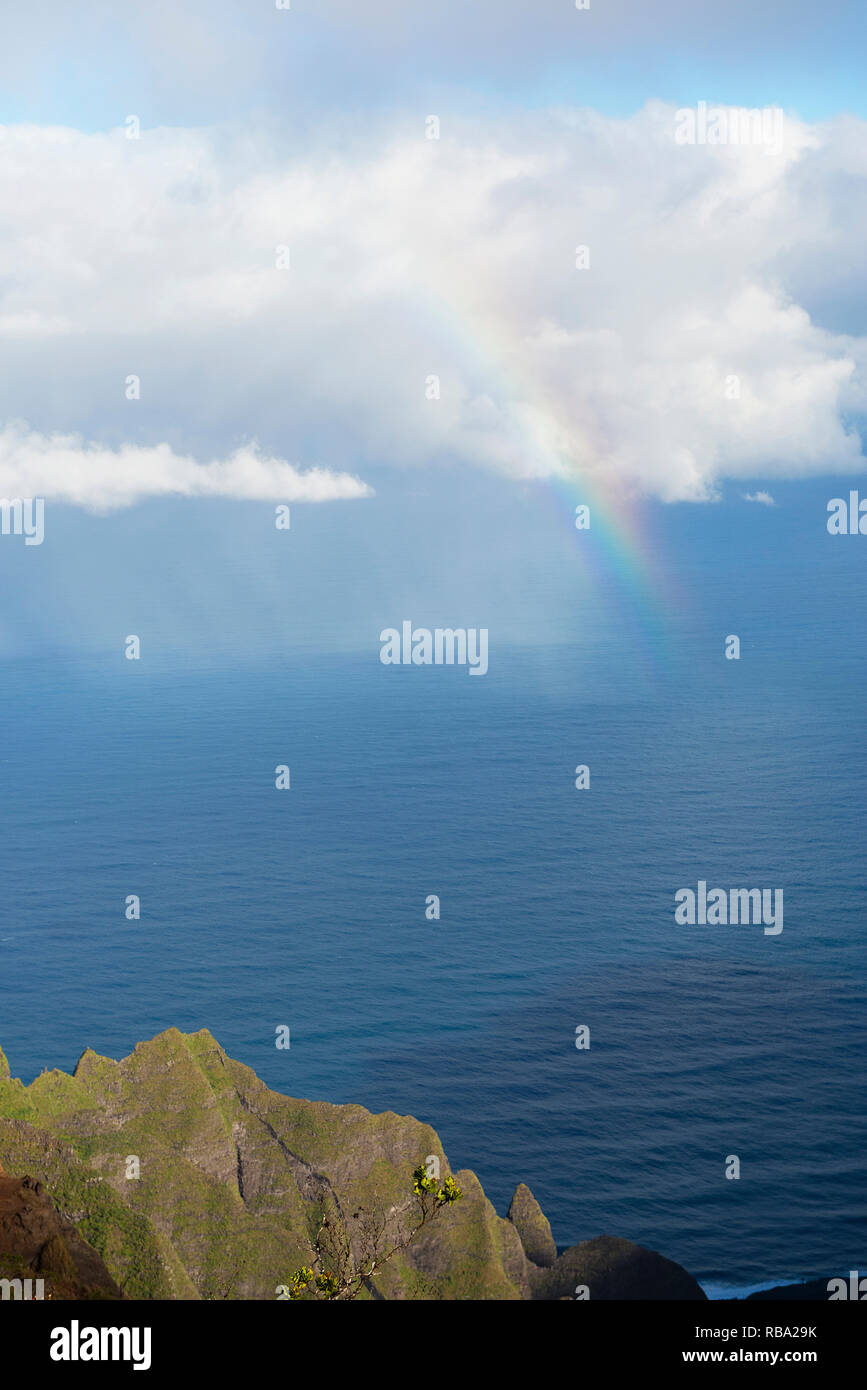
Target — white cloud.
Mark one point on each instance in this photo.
(764, 498)
(65, 468)
(455, 258)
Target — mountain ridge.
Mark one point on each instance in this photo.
(192, 1179)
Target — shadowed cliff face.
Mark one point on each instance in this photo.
(39, 1245)
(193, 1180)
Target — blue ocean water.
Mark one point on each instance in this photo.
(307, 908)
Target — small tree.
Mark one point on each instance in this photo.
(343, 1262)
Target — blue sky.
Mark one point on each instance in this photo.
(203, 61)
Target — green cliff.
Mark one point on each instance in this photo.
(232, 1176)
(190, 1179)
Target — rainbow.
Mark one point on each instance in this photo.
(619, 554)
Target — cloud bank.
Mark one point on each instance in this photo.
(390, 299)
(65, 468)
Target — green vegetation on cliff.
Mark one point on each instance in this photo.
(232, 1178)
(192, 1180)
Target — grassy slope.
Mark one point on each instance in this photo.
(230, 1176)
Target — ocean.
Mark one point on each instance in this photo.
(306, 907)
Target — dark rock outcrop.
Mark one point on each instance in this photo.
(610, 1268)
(36, 1242)
(814, 1291)
(533, 1227)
